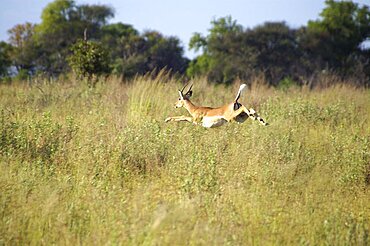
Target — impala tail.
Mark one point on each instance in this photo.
(241, 88)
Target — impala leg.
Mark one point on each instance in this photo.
(180, 118)
(251, 113)
(237, 112)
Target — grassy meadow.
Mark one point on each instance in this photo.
(98, 166)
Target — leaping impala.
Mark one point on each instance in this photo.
(213, 117)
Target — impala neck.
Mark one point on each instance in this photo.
(190, 107)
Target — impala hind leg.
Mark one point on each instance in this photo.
(234, 114)
(251, 113)
(254, 116)
(179, 118)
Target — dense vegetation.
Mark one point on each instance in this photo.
(81, 165)
(88, 159)
(334, 43)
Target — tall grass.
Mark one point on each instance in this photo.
(100, 166)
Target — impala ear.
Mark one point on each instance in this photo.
(189, 94)
(181, 96)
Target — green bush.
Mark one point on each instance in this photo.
(88, 59)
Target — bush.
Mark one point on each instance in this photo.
(88, 59)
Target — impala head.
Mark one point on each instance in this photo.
(183, 97)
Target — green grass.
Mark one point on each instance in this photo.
(100, 166)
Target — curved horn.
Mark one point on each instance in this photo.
(190, 88)
(182, 90)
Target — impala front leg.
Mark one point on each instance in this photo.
(180, 118)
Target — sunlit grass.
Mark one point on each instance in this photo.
(100, 166)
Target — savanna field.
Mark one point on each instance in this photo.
(96, 166)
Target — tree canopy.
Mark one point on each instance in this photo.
(5, 60)
(332, 42)
(229, 51)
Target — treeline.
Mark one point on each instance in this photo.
(335, 43)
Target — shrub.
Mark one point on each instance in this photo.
(88, 59)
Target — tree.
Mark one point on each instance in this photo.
(230, 52)
(25, 50)
(332, 42)
(45, 47)
(133, 53)
(164, 52)
(218, 47)
(124, 43)
(273, 49)
(63, 22)
(5, 60)
(336, 37)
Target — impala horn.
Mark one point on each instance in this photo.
(182, 90)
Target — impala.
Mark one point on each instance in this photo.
(213, 117)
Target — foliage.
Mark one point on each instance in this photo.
(332, 43)
(134, 53)
(5, 60)
(164, 52)
(100, 166)
(346, 24)
(88, 58)
(218, 47)
(337, 36)
(63, 23)
(231, 52)
(45, 47)
(24, 47)
(277, 48)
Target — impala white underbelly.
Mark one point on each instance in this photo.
(213, 121)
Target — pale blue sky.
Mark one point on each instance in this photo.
(174, 17)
